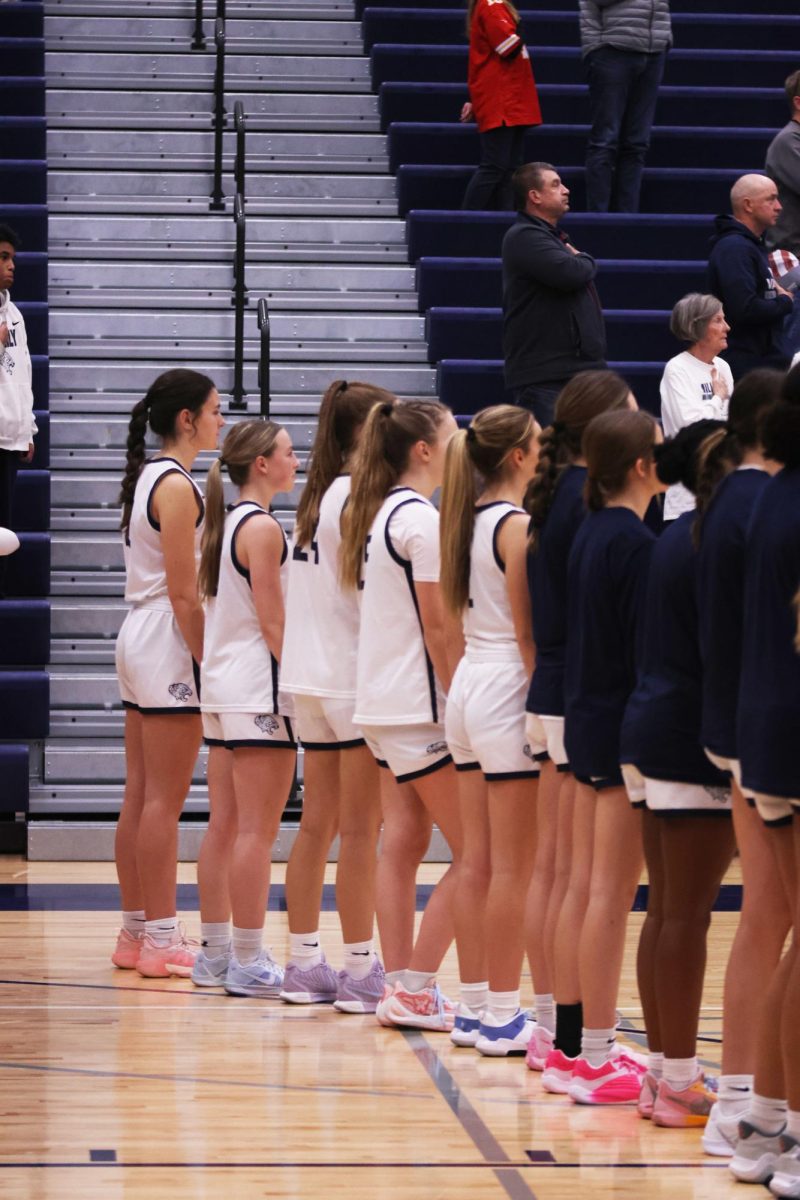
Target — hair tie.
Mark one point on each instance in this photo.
(387, 409)
(559, 428)
(471, 434)
(222, 461)
(342, 388)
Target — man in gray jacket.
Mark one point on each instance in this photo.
(783, 167)
(624, 44)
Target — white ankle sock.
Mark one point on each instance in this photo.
(163, 932)
(545, 1007)
(502, 1007)
(304, 950)
(215, 937)
(793, 1124)
(733, 1097)
(474, 998)
(393, 977)
(655, 1063)
(417, 981)
(767, 1113)
(133, 922)
(680, 1072)
(358, 958)
(247, 944)
(597, 1044)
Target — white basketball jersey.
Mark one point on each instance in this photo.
(395, 681)
(488, 623)
(321, 637)
(145, 576)
(239, 674)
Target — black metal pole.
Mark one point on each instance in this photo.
(217, 195)
(221, 10)
(239, 169)
(198, 34)
(263, 359)
(237, 395)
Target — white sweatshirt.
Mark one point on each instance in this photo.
(17, 424)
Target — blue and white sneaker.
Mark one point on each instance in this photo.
(465, 1027)
(497, 1041)
(262, 977)
(210, 972)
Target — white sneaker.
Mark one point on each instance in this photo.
(786, 1180)
(720, 1134)
(498, 1041)
(755, 1155)
(210, 972)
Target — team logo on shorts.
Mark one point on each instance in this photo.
(436, 748)
(526, 750)
(266, 723)
(719, 794)
(181, 691)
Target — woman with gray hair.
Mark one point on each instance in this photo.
(696, 384)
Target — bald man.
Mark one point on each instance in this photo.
(756, 306)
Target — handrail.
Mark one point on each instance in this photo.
(239, 165)
(239, 300)
(221, 9)
(198, 33)
(263, 358)
(217, 195)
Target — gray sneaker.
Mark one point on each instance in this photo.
(755, 1155)
(360, 995)
(786, 1180)
(210, 972)
(262, 977)
(317, 985)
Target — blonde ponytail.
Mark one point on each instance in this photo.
(457, 523)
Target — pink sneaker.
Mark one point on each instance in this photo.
(427, 1009)
(618, 1081)
(689, 1107)
(557, 1072)
(126, 954)
(539, 1048)
(159, 962)
(647, 1095)
(380, 1008)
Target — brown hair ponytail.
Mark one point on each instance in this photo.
(476, 453)
(390, 431)
(343, 411)
(612, 444)
(243, 444)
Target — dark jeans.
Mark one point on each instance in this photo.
(623, 89)
(9, 465)
(502, 151)
(539, 400)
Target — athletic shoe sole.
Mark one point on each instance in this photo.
(747, 1170)
(307, 997)
(582, 1095)
(259, 992)
(463, 1038)
(354, 1006)
(502, 1048)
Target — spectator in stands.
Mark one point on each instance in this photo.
(624, 44)
(783, 167)
(739, 275)
(552, 320)
(17, 423)
(696, 384)
(503, 100)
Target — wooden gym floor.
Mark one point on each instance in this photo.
(120, 1088)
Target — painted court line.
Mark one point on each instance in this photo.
(499, 1168)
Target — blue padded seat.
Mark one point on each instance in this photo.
(24, 704)
(30, 508)
(477, 333)
(670, 190)
(24, 180)
(28, 571)
(23, 20)
(27, 55)
(40, 364)
(41, 453)
(565, 145)
(605, 235)
(23, 137)
(29, 220)
(22, 96)
(30, 280)
(14, 778)
(568, 104)
(35, 314)
(478, 283)
(24, 633)
(467, 386)
(562, 64)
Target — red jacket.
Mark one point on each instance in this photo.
(501, 83)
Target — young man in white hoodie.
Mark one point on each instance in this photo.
(17, 423)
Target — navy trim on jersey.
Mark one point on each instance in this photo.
(214, 742)
(274, 666)
(409, 573)
(160, 712)
(247, 742)
(442, 762)
(470, 766)
(498, 776)
(511, 513)
(349, 745)
(602, 785)
(257, 511)
(176, 470)
(691, 812)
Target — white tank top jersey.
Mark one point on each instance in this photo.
(239, 674)
(395, 681)
(321, 637)
(488, 623)
(145, 575)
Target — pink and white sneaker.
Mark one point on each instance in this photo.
(539, 1048)
(617, 1081)
(128, 949)
(380, 1008)
(557, 1072)
(426, 1009)
(647, 1095)
(159, 962)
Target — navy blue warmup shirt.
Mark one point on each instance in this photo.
(606, 581)
(768, 726)
(661, 729)
(720, 599)
(547, 584)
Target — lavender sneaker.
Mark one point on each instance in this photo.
(360, 995)
(316, 985)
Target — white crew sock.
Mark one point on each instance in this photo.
(247, 944)
(793, 1124)
(358, 957)
(304, 950)
(163, 932)
(545, 1007)
(679, 1073)
(474, 997)
(393, 977)
(767, 1113)
(597, 1044)
(215, 938)
(133, 922)
(502, 1007)
(417, 981)
(734, 1095)
(655, 1064)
